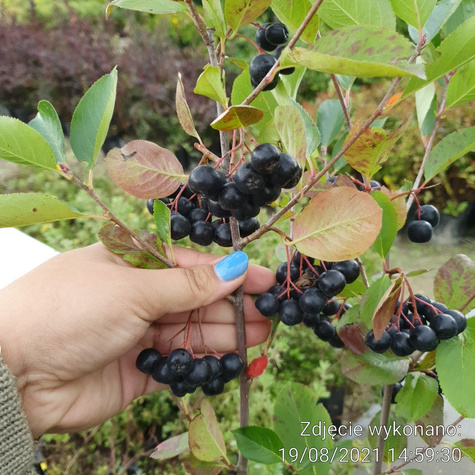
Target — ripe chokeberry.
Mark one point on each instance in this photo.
(180, 362)
(179, 226)
(231, 198)
(147, 359)
(430, 214)
(459, 318)
(206, 181)
(401, 344)
(277, 54)
(378, 346)
(277, 34)
(214, 387)
(261, 38)
(350, 269)
(424, 338)
(197, 214)
(185, 206)
(200, 373)
(232, 366)
(419, 231)
(161, 372)
(202, 233)
(444, 325)
(312, 301)
(287, 170)
(215, 209)
(331, 282)
(267, 304)
(265, 158)
(216, 366)
(281, 273)
(268, 194)
(258, 69)
(247, 211)
(248, 226)
(248, 180)
(222, 235)
(324, 329)
(290, 313)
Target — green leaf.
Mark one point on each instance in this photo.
(464, 11)
(455, 364)
(237, 117)
(294, 406)
(453, 146)
(341, 13)
(20, 143)
(455, 51)
(311, 132)
(291, 129)
(23, 209)
(183, 111)
(205, 437)
(374, 369)
(198, 467)
(120, 242)
(48, 125)
(292, 14)
(214, 17)
(461, 88)
(161, 215)
(241, 12)
(414, 12)
(454, 283)
(321, 233)
(372, 298)
(259, 444)
(345, 81)
(388, 232)
(144, 169)
(364, 51)
(417, 396)
(91, 119)
(210, 84)
(431, 420)
(467, 447)
(292, 82)
(159, 7)
(330, 119)
(171, 447)
(425, 100)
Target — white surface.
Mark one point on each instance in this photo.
(20, 253)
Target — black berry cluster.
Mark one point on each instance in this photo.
(185, 374)
(269, 37)
(425, 218)
(209, 193)
(419, 330)
(305, 293)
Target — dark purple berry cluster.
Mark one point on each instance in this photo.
(209, 193)
(185, 374)
(419, 330)
(304, 293)
(269, 37)
(425, 218)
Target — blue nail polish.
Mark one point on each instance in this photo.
(232, 266)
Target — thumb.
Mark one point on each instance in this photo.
(180, 290)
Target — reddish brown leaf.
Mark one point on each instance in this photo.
(338, 224)
(237, 117)
(353, 337)
(386, 307)
(144, 169)
(172, 447)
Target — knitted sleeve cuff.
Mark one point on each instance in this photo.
(16, 442)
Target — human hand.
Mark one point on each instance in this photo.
(71, 329)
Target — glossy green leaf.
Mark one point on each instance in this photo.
(455, 364)
(431, 420)
(23, 209)
(374, 369)
(372, 298)
(453, 146)
(210, 84)
(291, 129)
(455, 51)
(91, 119)
(237, 117)
(20, 143)
(311, 132)
(159, 7)
(388, 232)
(464, 11)
(295, 405)
(205, 437)
(48, 125)
(414, 12)
(241, 12)
(417, 396)
(172, 447)
(454, 283)
(425, 100)
(341, 13)
(144, 169)
(330, 119)
(327, 235)
(292, 82)
(461, 88)
(363, 51)
(214, 17)
(183, 111)
(120, 242)
(161, 216)
(292, 14)
(259, 444)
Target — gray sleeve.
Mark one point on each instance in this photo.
(16, 442)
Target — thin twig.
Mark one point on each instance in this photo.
(364, 277)
(429, 146)
(343, 103)
(383, 422)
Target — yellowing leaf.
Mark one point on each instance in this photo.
(183, 111)
(338, 224)
(237, 117)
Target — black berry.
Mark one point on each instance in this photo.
(231, 198)
(202, 233)
(378, 346)
(419, 231)
(277, 54)
(258, 69)
(265, 158)
(232, 366)
(214, 387)
(267, 304)
(147, 359)
(248, 226)
(290, 313)
(324, 329)
(312, 301)
(424, 338)
(430, 214)
(179, 226)
(248, 180)
(180, 362)
(331, 282)
(350, 269)
(206, 181)
(216, 366)
(401, 344)
(201, 373)
(222, 235)
(261, 38)
(277, 34)
(444, 325)
(288, 169)
(459, 318)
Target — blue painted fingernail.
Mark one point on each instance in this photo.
(232, 266)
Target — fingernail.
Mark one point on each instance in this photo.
(232, 266)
